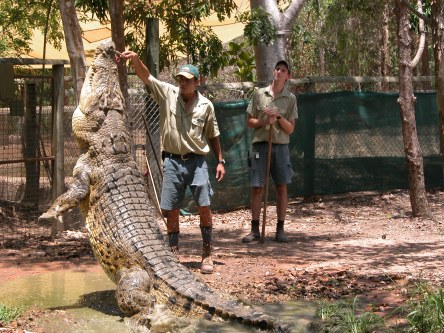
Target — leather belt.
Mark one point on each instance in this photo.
(183, 157)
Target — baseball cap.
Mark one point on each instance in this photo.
(189, 71)
(283, 62)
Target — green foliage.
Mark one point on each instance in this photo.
(8, 313)
(134, 15)
(98, 8)
(343, 317)
(345, 35)
(210, 52)
(414, 19)
(185, 34)
(259, 28)
(18, 18)
(243, 60)
(326, 310)
(427, 310)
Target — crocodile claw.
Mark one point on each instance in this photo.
(48, 219)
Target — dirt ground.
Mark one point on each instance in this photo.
(340, 246)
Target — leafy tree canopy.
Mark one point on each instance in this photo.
(185, 35)
(18, 19)
(259, 28)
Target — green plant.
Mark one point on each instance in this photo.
(364, 323)
(427, 313)
(244, 61)
(259, 28)
(9, 313)
(327, 310)
(343, 317)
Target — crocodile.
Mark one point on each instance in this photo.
(123, 231)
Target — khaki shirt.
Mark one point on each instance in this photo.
(286, 105)
(183, 133)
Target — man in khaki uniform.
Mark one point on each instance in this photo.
(272, 108)
(189, 129)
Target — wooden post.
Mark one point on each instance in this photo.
(30, 146)
(58, 172)
(152, 45)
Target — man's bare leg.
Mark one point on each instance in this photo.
(173, 230)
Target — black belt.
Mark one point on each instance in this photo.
(183, 157)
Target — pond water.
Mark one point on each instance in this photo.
(84, 302)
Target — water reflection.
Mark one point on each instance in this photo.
(87, 302)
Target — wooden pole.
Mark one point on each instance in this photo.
(155, 191)
(152, 145)
(267, 181)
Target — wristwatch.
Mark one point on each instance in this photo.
(222, 161)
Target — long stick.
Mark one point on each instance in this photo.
(267, 181)
(154, 187)
(152, 145)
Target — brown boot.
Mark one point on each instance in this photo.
(207, 263)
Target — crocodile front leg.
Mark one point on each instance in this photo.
(76, 193)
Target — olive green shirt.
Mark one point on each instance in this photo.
(181, 132)
(286, 104)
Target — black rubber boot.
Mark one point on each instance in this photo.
(173, 242)
(280, 233)
(207, 266)
(254, 234)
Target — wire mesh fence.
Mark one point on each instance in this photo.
(26, 148)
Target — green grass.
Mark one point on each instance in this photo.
(426, 307)
(344, 317)
(9, 313)
(424, 312)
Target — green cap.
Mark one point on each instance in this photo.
(189, 71)
(283, 62)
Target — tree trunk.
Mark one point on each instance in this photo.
(438, 42)
(74, 44)
(406, 100)
(425, 67)
(118, 36)
(385, 50)
(266, 56)
(321, 48)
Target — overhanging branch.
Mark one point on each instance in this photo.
(413, 10)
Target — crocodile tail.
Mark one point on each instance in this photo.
(189, 296)
(249, 316)
(230, 310)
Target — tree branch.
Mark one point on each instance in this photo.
(422, 38)
(413, 10)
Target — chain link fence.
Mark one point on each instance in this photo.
(25, 161)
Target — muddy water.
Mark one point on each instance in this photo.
(85, 303)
